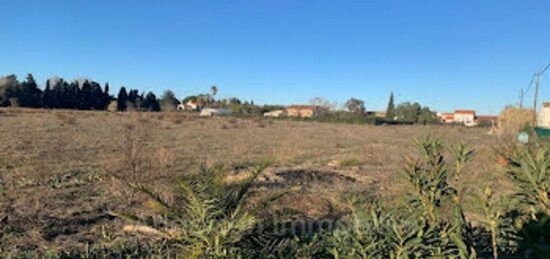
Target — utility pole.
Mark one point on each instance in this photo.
(537, 84)
(521, 95)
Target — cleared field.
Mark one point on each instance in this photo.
(63, 172)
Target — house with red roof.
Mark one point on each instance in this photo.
(467, 117)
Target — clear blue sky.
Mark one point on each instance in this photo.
(445, 54)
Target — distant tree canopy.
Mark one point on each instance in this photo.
(415, 113)
(322, 102)
(15, 93)
(78, 94)
(8, 89)
(151, 103)
(84, 95)
(89, 95)
(168, 101)
(355, 105)
(134, 101)
(213, 90)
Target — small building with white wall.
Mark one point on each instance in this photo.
(209, 112)
(543, 118)
(190, 106)
(275, 113)
(466, 117)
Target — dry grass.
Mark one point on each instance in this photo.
(59, 181)
(511, 120)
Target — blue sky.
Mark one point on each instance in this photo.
(445, 54)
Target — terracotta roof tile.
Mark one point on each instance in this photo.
(465, 112)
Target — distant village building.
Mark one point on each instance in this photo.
(543, 119)
(447, 117)
(190, 106)
(467, 118)
(275, 113)
(377, 114)
(305, 111)
(209, 112)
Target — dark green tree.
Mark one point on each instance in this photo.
(29, 95)
(97, 101)
(408, 112)
(213, 90)
(390, 111)
(59, 94)
(414, 113)
(150, 103)
(71, 95)
(47, 96)
(169, 101)
(426, 116)
(356, 106)
(106, 98)
(135, 99)
(86, 96)
(122, 98)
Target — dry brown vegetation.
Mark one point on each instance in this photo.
(512, 119)
(63, 173)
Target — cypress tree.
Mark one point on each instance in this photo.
(86, 96)
(47, 96)
(122, 98)
(29, 93)
(57, 93)
(390, 111)
(97, 98)
(72, 95)
(106, 98)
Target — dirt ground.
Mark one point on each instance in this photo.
(62, 172)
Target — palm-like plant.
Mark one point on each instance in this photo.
(428, 175)
(209, 218)
(492, 212)
(377, 234)
(433, 197)
(529, 168)
(462, 153)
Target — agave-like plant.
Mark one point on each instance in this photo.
(462, 154)
(209, 218)
(529, 169)
(493, 215)
(433, 197)
(378, 234)
(375, 233)
(428, 175)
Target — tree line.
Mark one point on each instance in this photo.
(78, 94)
(90, 95)
(404, 112)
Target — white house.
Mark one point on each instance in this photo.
(543, 118)
(275, 113)
(209, 112)
(466, 117)
(190, 106)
